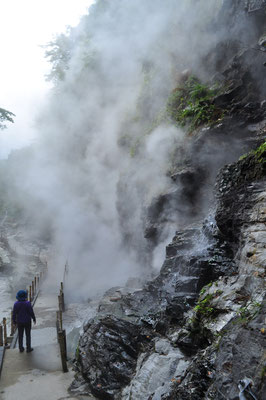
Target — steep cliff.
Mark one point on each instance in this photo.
(197, 330)
(165, 342)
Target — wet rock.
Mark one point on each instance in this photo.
(238, 181)
(108, 352)
(230, 311)
(241, 353)
(263, 104)
(193, 385)
(158, 330)
(179, 202)
(235, 89)
(159, 212)
(154, 371)
(110, 348)
(262, 41)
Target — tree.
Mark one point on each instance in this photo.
(58, 53)
(5, 115)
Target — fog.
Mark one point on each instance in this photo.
(98, 161)
(24, 28)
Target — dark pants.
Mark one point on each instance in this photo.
(21, 327)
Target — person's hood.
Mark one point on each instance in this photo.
(22, 295)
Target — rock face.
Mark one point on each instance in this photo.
(241, 128)
(198, 328)
(236, 325)
(237, 182)
(154, 372)
(108, 353)
(158, 346)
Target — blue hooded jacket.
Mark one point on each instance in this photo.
(22, 310)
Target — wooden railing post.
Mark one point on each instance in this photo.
(12, 330)
(60, 303)
(1, 336)
(62, 345)
(62, 297)
(60, 320)
(61, 333)
(57, 323)
(5, 332)
(65, 343)
(33, 289)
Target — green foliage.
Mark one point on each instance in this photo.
(259, 153)
(77, 353)
(58, 53)
(75, 44)
(5, 115)
(204, 307)
(134, 148)
(192, 104)
(60, 50)
(243, 157)
(204, 289)
(248, 312)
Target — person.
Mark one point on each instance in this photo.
(22, 315)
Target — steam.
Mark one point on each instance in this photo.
(93, 169)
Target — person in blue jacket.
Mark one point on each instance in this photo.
(22, 315)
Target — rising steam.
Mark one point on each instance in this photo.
(98, 160)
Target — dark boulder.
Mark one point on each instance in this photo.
(108, 352)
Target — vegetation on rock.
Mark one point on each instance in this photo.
(248, 312)
(192, 104)
(204, 307)
(259, 153)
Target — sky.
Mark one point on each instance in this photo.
(24, 27)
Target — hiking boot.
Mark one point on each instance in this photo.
(29, 350)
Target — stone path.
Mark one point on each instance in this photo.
(37, 375)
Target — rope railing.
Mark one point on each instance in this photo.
(61, 333)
